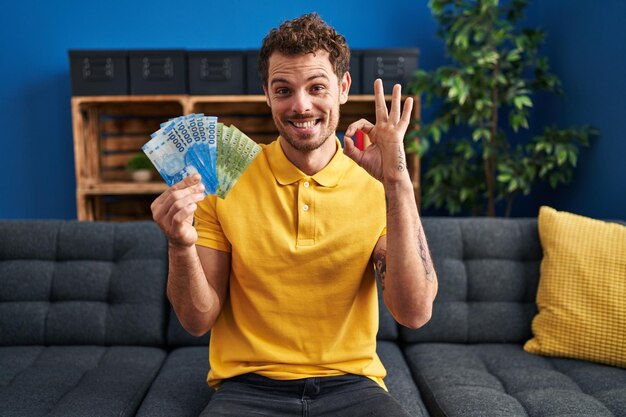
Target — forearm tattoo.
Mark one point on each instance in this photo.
(423, 253)
(380, 267)
(401, 159)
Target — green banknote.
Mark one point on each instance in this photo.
(245, 152)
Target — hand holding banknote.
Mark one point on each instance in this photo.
(196, 156)
(199, 144)
(173, 210)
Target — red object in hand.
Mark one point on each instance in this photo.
(359, 139)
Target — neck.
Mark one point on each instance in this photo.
(310, 162)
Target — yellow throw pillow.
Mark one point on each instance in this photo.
(582, 290)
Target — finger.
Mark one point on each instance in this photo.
(160, 207)
(394, 114)
(183, 205)
(351, 151)
(407, 112)
(363, 124)
(182, 189)
(182, 213)
(379, 100)
(187, 196)
(180, 225)
(186, 182)
(163, 203)
(182, 184)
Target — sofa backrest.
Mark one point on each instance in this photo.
(67, 282)
(488, 271)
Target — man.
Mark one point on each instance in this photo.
(280, 271)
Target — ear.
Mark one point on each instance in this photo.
(344, 87)
(267, 97)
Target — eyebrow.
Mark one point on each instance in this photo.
(311, 78)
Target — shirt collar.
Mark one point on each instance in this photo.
(287, 173)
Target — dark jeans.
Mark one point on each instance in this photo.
(339, 396)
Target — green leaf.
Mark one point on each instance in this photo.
(436, 134)
(521, 101)
(488, 59)
(539, 146)
(573, 158)
(524, 122)
(504, 177)
(513, 55)
(554, 181)
(480, 134)
(436, 6)
(464, 93)
(516, 121)
(461, 40)
(464, 194)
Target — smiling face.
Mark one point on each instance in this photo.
(304, 94)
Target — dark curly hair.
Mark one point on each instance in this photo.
(303, 35)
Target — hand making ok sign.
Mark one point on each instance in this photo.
(384, 159)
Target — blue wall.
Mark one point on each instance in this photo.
(586, 48)
(585, 45)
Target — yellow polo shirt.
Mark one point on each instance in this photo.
(302, 296)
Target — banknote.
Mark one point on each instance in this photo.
(196, 143)
(209, 126)
(242, 154)
(239, 166)
(167, 154)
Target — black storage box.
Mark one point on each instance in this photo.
(216, 72)
(254, 85)
(158, 72)
(355, 72)
(98, 72)
(393, 66)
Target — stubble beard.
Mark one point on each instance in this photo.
(305, 146)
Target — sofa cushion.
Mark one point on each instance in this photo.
(70, 381)
(180, 389)
(398, 380)
(582, 290)
(488, 271)
(69, 283)
(501, 379)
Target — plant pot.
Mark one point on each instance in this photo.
(141, 175)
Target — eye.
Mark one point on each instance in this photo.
(318, 88)
(282, 91)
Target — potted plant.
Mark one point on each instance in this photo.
(141, 167)
(485, 96)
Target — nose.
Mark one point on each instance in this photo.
(301, 102)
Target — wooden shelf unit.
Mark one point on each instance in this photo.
(109, 130)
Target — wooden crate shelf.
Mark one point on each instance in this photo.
(109, 130)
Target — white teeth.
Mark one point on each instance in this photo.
(304, 125)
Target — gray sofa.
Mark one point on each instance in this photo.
(86, 330)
